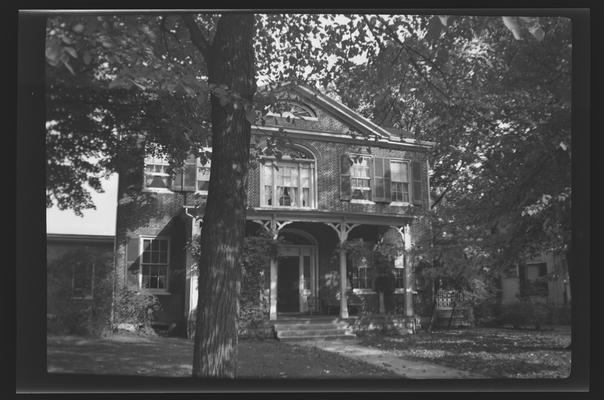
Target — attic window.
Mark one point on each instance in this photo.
(293, 109)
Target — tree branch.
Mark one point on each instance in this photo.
(197, 37)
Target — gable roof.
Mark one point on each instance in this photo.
(350, 117)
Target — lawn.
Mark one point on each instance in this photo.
(172, 357)
(495, 353)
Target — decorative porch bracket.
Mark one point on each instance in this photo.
(342, 230)
(273, 227)
(405, 233)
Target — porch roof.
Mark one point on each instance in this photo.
(259, 213)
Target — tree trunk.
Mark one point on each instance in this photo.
(231, 63)
(381, 300)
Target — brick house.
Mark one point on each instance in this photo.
(341, 177)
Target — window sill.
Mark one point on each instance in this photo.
(286, 208)
(400, 203)
(359, 201)
(156, 190)
(157, 292)
(363, 291)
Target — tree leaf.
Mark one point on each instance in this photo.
(72, 52)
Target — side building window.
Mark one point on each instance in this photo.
(156, 173)
(155, 261)
(533, 279)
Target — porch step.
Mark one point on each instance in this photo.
(312, 329)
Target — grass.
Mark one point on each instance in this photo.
(172, 357)
(496, 353)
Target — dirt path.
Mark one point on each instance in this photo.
(386, 359)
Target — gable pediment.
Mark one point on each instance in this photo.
(299, 107)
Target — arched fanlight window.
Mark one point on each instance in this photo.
(293, 109)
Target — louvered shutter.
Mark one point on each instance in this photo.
(132, 261)
(345, 186)
(416, 183)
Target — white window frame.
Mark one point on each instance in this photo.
(399, 268)
(208, 164)
(289, 162)
(153, 160)
(366, 266)
(409, 194)
(364, 189)
(141, 249)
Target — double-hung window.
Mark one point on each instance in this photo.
(399, 273)
(361, 274)
(156, 173)
(360, 178)
(155, 257)
(203, 177)
(288, 184)
(399, 181)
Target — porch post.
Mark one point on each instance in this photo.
(408, 274)
(273, 291)
(343, 229)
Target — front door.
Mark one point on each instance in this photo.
(288, 298)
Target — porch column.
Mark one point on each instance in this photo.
(408, 274)
(273, 227)
(405, 233)
(342, 230)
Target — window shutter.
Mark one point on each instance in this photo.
(132, 261)
(345, 184)
(381, 184)
(542, 269)
(416, 183)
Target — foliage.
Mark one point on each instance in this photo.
(135, 307)
(525, 313)
(254, 303)
(74, 312)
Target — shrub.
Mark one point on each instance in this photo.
(72, 309)
(487, 312)
(560, 315)
(135, 307)
(525, 313)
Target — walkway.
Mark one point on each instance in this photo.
(386, 359)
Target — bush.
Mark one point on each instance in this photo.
(487, 313)
(525, 313)
(73, 310)
(135, 307)
(560, 315)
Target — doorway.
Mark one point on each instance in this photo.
(288, 299)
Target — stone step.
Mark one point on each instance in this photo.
(313, 326)
(311, 332)
(317, 337)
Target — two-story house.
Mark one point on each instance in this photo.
(341, 177)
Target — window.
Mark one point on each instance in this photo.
(293, 109)
(203, 176)
(399, 273)
(81, 279)
(361, 274)
(154, 266)
(360, 178)
(156, 173)
(288, 184)
(399, 185)
(533, 281)
(191, 177)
